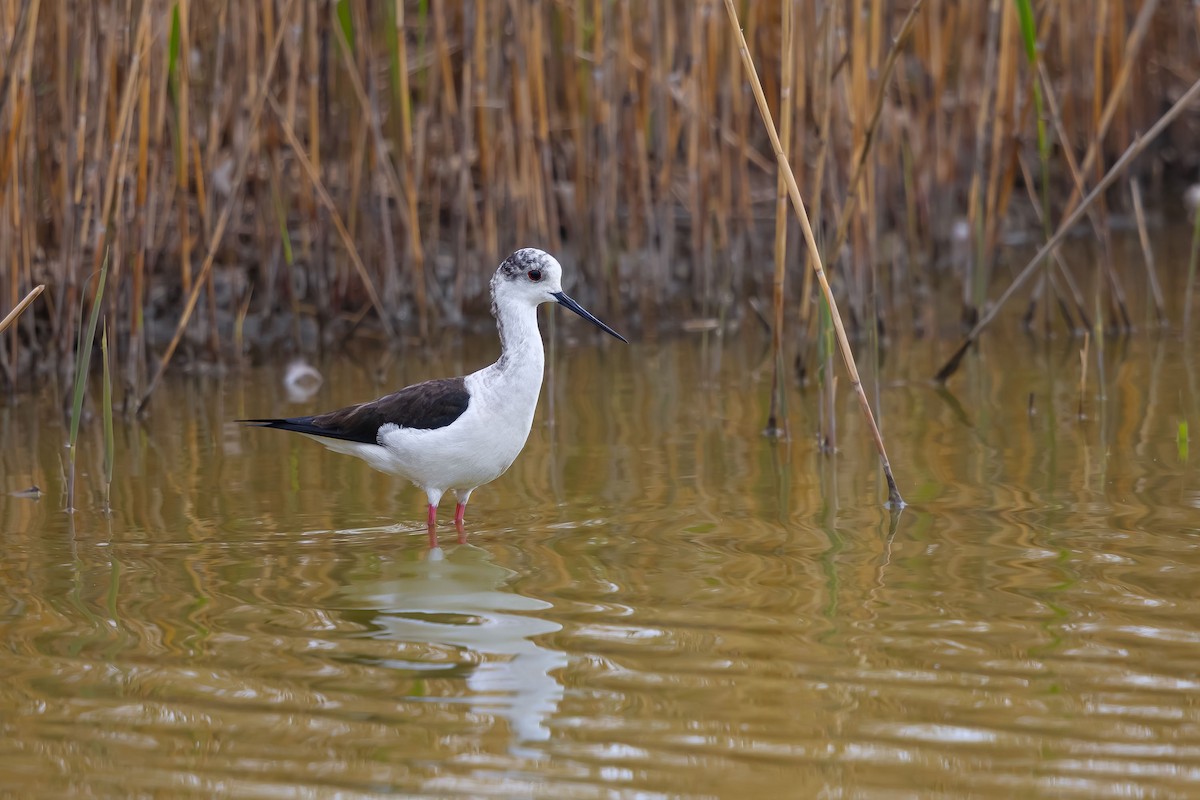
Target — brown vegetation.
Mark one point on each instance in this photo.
(255, 168)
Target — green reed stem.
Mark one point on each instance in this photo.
(83, 354)
(1029, 40)
(107, 410)
(346, 21)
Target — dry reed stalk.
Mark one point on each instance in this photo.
(695, 166)
(824, 128)
(610, 136)
(60, 192)
(529, 186)
(975, 282)
(1104, 264)
(641, 134)
(541, 114)
(20, 307)
(71, 177)
(312, 52)
(331, 208)
(359, 154)
(19, 231)
(18, 76)
(491, 240)
(739, 135)
(864, 147)
(289, 259)
(142, 229)
(416, 249)
(713, 212)
(239, 173)
(214, 334)
(182, 174)
(777, 418)
(1132, 152)
(1139, 214)
(1083, 364)
(579, 106)
(1193, 261)
(1056, 117)
(894, 498)
(26, 26)
(857, 101)
(605, 142)
(14, 76)
(1072, 286)
(1003, 137)
(469, 223)
(668, 126)
(1105, 114)
(216, 97)
(448, 108)
(115, 177)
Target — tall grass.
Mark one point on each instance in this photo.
(106, 410)
(83, 360)
(816, 262)
(408, 146)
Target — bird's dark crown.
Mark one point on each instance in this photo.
(521, 262)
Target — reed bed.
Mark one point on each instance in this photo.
(283, 174)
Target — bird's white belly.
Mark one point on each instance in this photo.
(473, 450)
(468, 453)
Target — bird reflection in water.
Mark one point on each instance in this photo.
(460, 601)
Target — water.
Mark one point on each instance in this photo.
(655, 600)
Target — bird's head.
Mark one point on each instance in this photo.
(532, 277)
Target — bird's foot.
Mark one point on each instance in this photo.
(459, 512)
(433, 539)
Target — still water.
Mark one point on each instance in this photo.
(655, 600)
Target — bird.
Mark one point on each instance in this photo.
(456, 434)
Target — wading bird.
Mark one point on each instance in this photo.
(456, 434)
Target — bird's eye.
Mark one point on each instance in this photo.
(535, 275)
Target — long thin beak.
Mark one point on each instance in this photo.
(563, 300)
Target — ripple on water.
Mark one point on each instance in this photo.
(656, 601)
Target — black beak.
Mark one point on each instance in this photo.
(563, 300)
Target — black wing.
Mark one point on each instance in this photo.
(428, 405)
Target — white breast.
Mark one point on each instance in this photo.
(476, 448)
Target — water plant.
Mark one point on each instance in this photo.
(83, 358)
(620, 134)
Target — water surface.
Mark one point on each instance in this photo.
(655, 600)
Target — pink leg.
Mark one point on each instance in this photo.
(433, 540)
(459, 512)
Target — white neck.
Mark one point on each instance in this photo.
(515, 381)
(520, 341)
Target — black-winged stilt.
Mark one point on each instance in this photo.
(456, 434)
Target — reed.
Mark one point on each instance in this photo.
(1139, 215)
(83, 359)
(895, 501)
(1115, 171)
(1193, 259)
(20, 307)
(106, 411)
(777, 421)
(620, 134)
(1083, 370)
